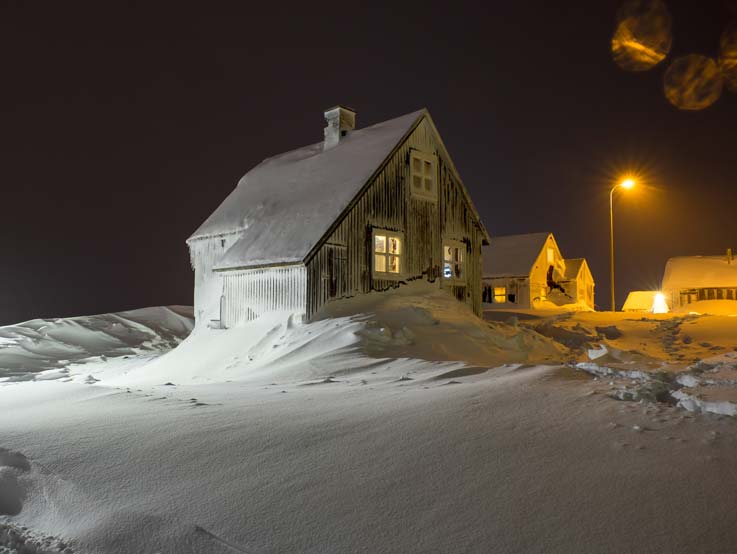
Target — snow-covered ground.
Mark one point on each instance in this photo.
(411, 428)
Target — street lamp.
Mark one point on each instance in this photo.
(625, 184)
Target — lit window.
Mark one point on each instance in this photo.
(551, 256)
(387, 253)
(453, 260)
(423, 175)
(500, 294)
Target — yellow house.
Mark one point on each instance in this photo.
(529, 271)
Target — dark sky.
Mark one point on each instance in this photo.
(123, 128)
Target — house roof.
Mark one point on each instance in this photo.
(685, 272)
(573, 266)
(512, 254)
(284, 206)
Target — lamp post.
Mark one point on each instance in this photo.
(625, 184)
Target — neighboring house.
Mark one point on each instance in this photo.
(640, 301)
(364, 210)
(690, 279)
(528, 271)
(579, 282)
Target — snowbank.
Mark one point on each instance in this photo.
(711, 307)
(47, 348)
(510, 460)
(400, 330)
(391, 431)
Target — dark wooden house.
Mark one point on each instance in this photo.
(363, 210)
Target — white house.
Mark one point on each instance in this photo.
(691, 279)
(362, 210)
(640, 301)
(529, 271)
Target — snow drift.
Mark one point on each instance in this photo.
(47, 348)
(397, 423)
(402, 329)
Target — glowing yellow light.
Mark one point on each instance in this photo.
(660, 306)
(627, 183)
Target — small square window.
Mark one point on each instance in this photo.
(423, 175)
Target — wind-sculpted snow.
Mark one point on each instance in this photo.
(397, 423)
(47, 348)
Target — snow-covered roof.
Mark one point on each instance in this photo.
(512, 254)
(573, 266)
(687, 272)
(639, 301)
(286, 204)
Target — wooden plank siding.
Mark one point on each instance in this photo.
(387, 203)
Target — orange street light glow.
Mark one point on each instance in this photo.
(627, 183)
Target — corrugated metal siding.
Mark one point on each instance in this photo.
(249, 293)
(388, 204)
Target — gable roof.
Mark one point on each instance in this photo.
(283, 206)
(685, 272)
(573, 266)
(512, 254)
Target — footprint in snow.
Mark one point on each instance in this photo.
(12, 494)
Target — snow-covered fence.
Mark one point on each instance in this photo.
(252, 292)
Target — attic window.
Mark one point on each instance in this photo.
(423, 175)
(453, 260)
(387, 254)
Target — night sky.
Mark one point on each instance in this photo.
(122, 130)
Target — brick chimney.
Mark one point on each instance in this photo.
(340, 121)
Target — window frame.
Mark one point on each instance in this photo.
(387, 275)
(495, 294)
(461, 246)
(425, 157)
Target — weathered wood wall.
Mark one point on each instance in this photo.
(388, 204)
(249, 293)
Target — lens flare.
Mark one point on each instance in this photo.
(642, 37)
(692, 82)
(660, 306)
(728, 56)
